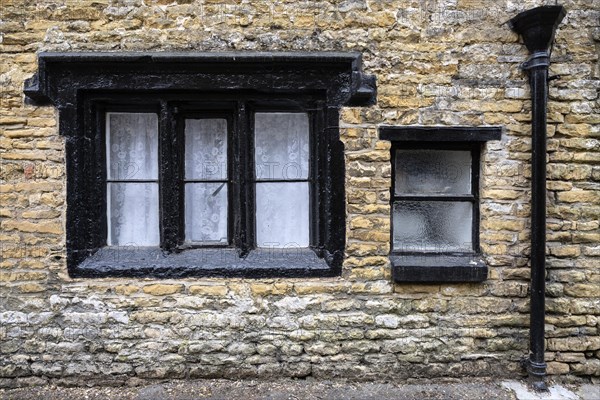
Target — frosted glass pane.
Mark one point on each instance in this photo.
(132, 146)
(206, 212)
(437, 226)
(433, 171)
(133, 214)
(282, 214)
(282, 147)
(206, 149)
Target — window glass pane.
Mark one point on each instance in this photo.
(435, 226)
(206, 149)
(282, 146)
(282, 214)
(133, 214)
(433, 172)
(132, 146)
(206, 212)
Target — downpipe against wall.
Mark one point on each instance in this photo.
(537, 27)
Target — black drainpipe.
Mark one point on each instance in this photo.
(537, 27)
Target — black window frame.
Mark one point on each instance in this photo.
(180, 116)
(239, 111)
(83, 86)
(441, 266)
(475, 151)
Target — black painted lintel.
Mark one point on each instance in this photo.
(264, 71)
(439, 133)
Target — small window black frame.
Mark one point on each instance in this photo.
(475, 150)
(431, 267)
(82, 86)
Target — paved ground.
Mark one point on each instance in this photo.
(308, 389)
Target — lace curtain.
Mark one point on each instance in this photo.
(131, 157)
(282, 154)
(206, 202)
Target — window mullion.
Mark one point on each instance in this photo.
(318, 161)
(243, 179)
(97, 187)
(475, 171)
(171, 149)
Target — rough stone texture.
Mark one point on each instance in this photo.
(443, 62)
(283, 389)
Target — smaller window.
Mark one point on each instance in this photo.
(435, 203)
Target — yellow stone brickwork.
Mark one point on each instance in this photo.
(437, 62)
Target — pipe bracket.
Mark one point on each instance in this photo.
(537, 375)
(537, 59)
(536, 368)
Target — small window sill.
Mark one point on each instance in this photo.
(151, 262)
(434, 268)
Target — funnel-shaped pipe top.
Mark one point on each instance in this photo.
(537, 26)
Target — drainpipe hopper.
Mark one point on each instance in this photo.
(537, 27)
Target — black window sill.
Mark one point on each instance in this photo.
(207, 262)
(435, 268)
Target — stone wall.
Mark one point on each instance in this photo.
(437, 62)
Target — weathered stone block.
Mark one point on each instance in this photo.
(557, 368)
(160, 289)
(208, 290)
(266, 289)
(126, 290)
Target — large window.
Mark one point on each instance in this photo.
(245, 176)
(212, 181)
(226, 164)
(435, 202)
